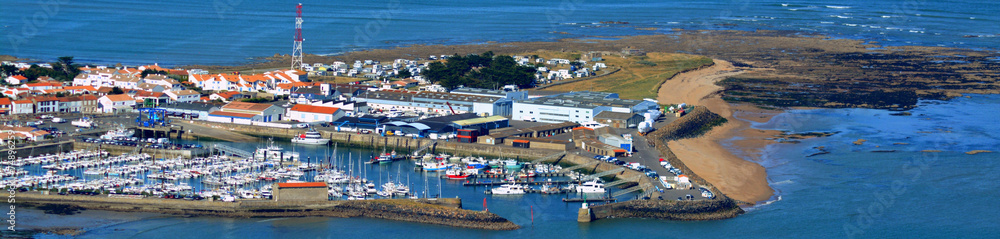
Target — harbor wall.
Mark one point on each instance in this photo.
(400, 144)
(440, 211)
(119, 149)
(39, 149)
(669, 209)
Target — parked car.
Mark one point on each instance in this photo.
(58, 120)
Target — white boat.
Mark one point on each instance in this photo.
(436, 166)
(83, 123)
(590, 187)
(310, 137)
(274, 152)
(508, 189)
(118, 133)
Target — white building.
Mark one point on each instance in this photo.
(579, 107)
(183, 95)
(116, 103)
(311, 113)
(245, 113)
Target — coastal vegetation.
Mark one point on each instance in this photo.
(62, 70)
(640, 76)
(481, 71)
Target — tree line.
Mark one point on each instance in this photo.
(480, 71)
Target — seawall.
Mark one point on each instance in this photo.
(375, 141)
(669, 209)
(24, 151)
(442, 211)
(119, 149)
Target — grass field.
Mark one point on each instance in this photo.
(640, 77)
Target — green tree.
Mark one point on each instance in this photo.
(115, 91)
(8, 70)
(405, 73)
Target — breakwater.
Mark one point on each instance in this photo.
(24, 151)
(443, 211)
(669, 209)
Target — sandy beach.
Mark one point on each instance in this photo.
(731, 172)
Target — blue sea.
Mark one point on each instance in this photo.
(174, 33)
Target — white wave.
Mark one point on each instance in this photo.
(826, 22)
(758, 206)
(783, 182)
(973, 18)
(784, 4)
(886, 16)
(837, 7)
(850, 25)
(673, 23)
(839, 16)
(793, 9)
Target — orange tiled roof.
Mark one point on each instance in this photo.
(315, 109)
(120, 97)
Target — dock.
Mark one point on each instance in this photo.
(548, 175)
(498, 183)
(589, 199)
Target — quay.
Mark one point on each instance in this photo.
(498, 183)
(590, 199)
(549, 175)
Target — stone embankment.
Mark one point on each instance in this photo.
(669, 209)
(444, 211)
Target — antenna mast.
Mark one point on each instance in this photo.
(297, 47)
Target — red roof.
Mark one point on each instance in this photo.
(620, 151)
(4, 101)
(314, 109)
(520, 141)
(119, 97)
(581, 127)
(20, 77)
(302, 185)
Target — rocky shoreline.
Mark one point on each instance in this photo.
(444, 211)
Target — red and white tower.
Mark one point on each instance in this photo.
(297, 47)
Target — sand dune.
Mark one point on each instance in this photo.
(737, 178)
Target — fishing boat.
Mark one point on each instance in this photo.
(83, 123)
(591, 187)
(508, 189)
(457, 174)
(550, 189)
(436, 166)
(310, 137)
(512, 164)
(385, 158)
(118, 133)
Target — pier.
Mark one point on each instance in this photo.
(612, 199)
(498, 183)
(231, 151)
(511, 175)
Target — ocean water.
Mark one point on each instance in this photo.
(851, 192)
(173, 33)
